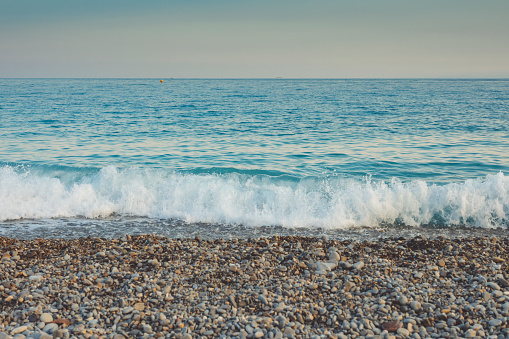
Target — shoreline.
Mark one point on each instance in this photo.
(270, 287)
(116, 227)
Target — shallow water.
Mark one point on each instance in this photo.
(116, 227)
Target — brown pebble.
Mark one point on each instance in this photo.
(392, 326)
(428, 322)
(59, 321)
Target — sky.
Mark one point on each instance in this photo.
(254, 39)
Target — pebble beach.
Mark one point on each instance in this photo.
(147, 286)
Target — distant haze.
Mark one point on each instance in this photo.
(254, 39)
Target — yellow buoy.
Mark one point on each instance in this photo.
(161, 80)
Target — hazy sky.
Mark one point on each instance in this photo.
(240, 38)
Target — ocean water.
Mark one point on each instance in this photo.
(233, 157)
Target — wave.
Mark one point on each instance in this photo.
(250, 199)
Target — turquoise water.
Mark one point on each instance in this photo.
(332, 154)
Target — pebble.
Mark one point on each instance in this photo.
(402, 300)
(296, 287)
(262, 299)
(127, 310)
(139, 306)
(415, 305)
(35, 277)
(495, 322)
(289, 332)
(403, 331)
(50, 328)
(147, 329)
(46, 317)
(358, 265)
(493, 285)
(334, 256)
(18, 330)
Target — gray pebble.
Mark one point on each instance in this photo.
(46, 317)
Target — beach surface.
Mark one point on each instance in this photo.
(268, 287)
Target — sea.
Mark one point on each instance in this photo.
(223, 158)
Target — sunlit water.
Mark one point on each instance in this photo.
(234, 156)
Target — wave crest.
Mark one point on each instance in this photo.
(254, 200)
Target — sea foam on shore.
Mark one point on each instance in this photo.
(253, 200)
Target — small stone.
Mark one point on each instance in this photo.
(486, 295)
(402, 300)
(289, 332)
(139, 306)
(345, 265)
(428, 322)
(392, 326)
(470, 333)
(67, 257)
(503, 282)
(498, 260)
(334, 256)
(497, 293)
(441, 263)
(65, 322)
(262, 299)
(18, 330)
(60, 334)
(403, 331)
(349, 285)
(415, 305)
(258, 334)
(477, 327)
(280, 307)
(358, 265)
(46, 317)
(79, 328)
(495, 322)
(493, 285)
(147, 329)
(36, 277)
(127, 310)
(50, 328)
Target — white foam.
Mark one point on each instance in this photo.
(254, 200)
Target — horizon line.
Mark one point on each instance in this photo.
(260, 78)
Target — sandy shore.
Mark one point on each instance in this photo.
(282, 286)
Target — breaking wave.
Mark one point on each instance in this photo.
(250, 199)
